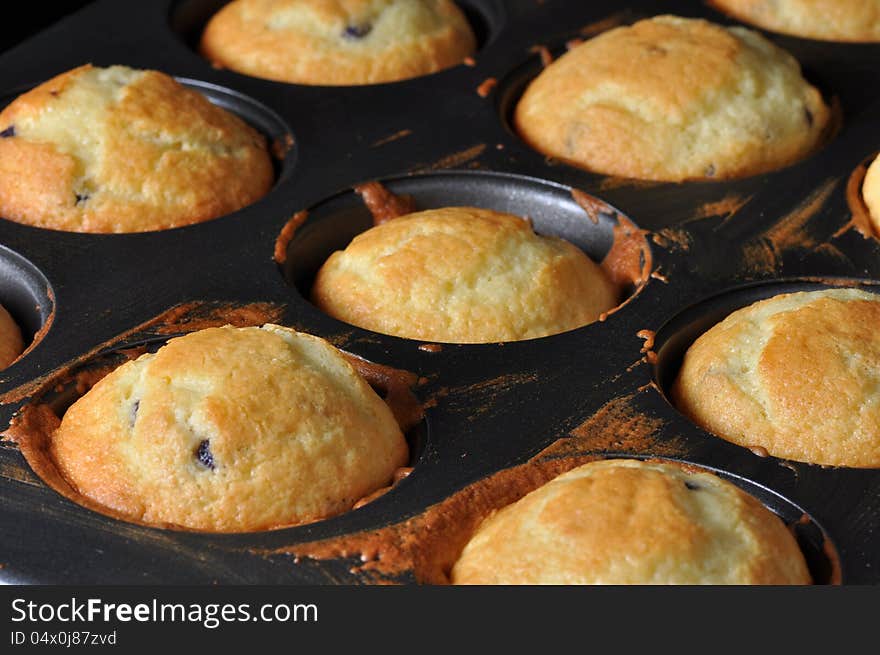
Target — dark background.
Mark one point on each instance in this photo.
(25, 22)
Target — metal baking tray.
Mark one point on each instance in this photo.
(445, 139)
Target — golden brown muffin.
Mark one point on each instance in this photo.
(797, 374)
(11, 343)
(462, 275)
(871, 193)
(338, 42)
(632, 522)
(123, 150)
(829, 20)
(673, 99)
(230, 430)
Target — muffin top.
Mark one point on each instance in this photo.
(673, 99)
(462, 275)
(632, 522)
(797, 374)
(230, 430)
(123, 150)
(11, 344)
(829, 20)
(871, 193)
(338, 42)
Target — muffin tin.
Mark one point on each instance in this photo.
(445, 139)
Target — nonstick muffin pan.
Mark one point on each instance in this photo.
(701, 250)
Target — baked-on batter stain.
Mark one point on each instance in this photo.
(648, 347)
(764, 253)
(657, 275)
(189, 317)
(451, 161)
(399, 475)
(286, 235)
(672, 239)
(383, 204)
(612, 21)
(648, 336)
(726, 208)
(478, 398)
(544, 53)
(394, 137)
(486, 86)
(395, 386)
(591, 205)
(628, 262)
(428, 544)
(281, 146)
(861, 217)
(832, 252)
(617, 427)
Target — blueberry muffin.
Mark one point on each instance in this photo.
(11, 344)
(230, 430)
(462, 275)
(123, 150)
(338, 42)
(796, 375)
(621, 522)
(828, 20)
(673, 99)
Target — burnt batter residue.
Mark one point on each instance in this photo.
(394, 137)
(861, 218)
(428, 544)
(486, 86)
(383, 204)
(793, 231)
(468, 155)
(286, 235)
(628, 262)
(543, 52)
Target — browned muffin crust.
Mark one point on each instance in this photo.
(338, 42)
(828, 20)
(230, 430)
(796, 375)
(123, 150)
(624, 521)
(673, 99)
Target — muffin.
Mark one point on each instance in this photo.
(796, 375)
(829, 20)
(230, 430)
(616, 522)
(123, 150)
(871, 193)
(11, 344)
(462, 275)
(338, 42)
(673, 99)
